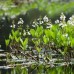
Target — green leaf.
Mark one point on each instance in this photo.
(24, 43)
(17, 39)
(47, 33)
(40, 68)
(39, 31)
(7, 42)
(72, 41)
(11, 37)
(50, 34)
(38, 49)
(24, 71)
(21, 40)
(45, 39)
(15, 33)
(32, 31)
(65, 50)
(36, 41)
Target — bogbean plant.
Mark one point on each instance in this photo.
(58, 36)
(43, 36)
(17, 39)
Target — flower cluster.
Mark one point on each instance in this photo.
(61, 22)
(20, 21)
(57, 21)
(62, 17)
(42, 21)
(71, 20)
(45, 19)
(13, 25)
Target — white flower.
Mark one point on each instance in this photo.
(36, 23)
(33, 25)
(33, 22)
(62, 24)
(4, 8)
(12, 26)
(45, 19)
(13, 16)
(57, 21)
(72, 17)
(49, 25)
(20, 21)
(39, 19)
(3, 18)
(28, 33)
(62, 17)
(40, 22)
(24, 33)
(13, 6)
(65, 35)
(52, 43)
(6, 13)
(71, 20)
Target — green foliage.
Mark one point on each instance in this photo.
(20, 70)
(52, 9)
(17, 70)
(32, 11)
(40, 69)
(38, 49)
(38, 32)
(7, 42)
(45, 39)
(57, 36)
(32, 31)
(24, 71)
(16, 39)
(24, 43)
(72, 41)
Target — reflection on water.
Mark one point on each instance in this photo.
(55, 64)
(58, 68)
